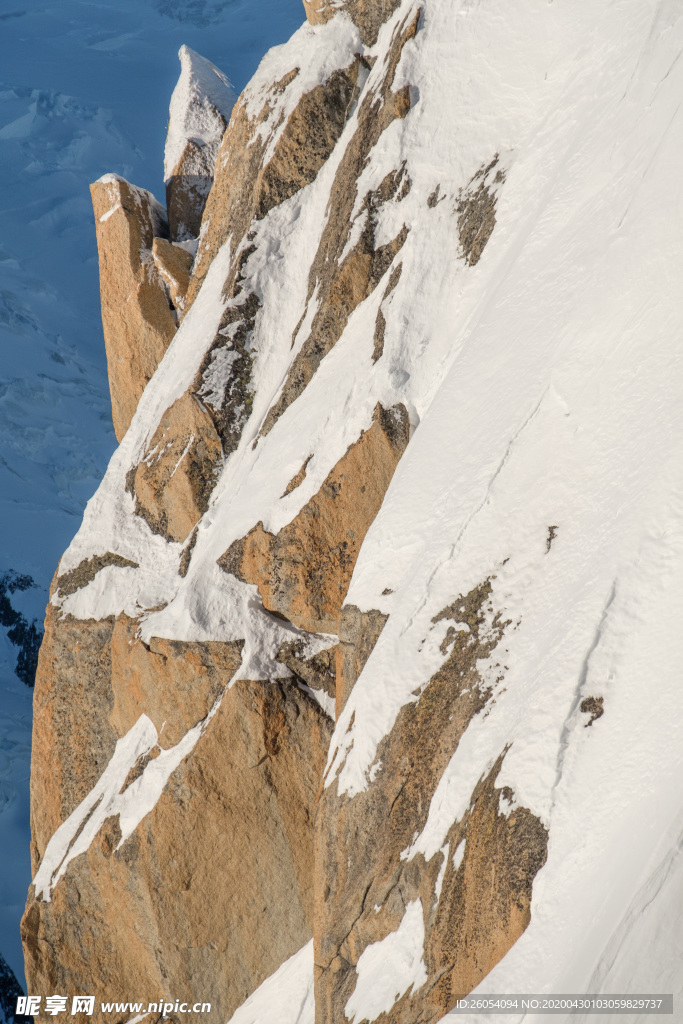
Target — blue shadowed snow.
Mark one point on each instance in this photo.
(84, 90)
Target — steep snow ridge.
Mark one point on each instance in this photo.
(201, 87)
(544, 324)
(389, 968)
(286, 997)
(315, 53)
(565, 397)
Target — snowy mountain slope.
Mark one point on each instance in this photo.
(71, 106)
(504, 247)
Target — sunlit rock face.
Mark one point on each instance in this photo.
(354, 636)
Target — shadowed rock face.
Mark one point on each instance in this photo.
(213, 889)
(198, 116)
(304, 571)
(174, 265)
(188, 188)
(365, 880)
(246, 187)
(137, 316)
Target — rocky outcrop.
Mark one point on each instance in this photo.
(137, 316)
(472, 896)
(198, 116)
(174, 265)
(152, 908)
(343, 276)
(304, 571)
(188, 834)
(369, 15)
(358, 633)
(476, 208)
(172, 483)
(267, 155)
(247, 186)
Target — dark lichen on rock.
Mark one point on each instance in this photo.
(86, 570)
(593, 706)
(476, 209)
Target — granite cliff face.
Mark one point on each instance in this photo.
(290, 695)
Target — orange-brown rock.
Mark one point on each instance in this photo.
(198, 116)
(317, 671)
(244, 189)
(304, 571)
(358, 633)
(72, 697)
(363, 883)
(338, 280)
(368, 15)
(174, 480)
(188, 188)
(212, 891)
(174, 265)
(247, 187)
(137, 317)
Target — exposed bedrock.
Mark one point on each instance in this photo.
(472, 896)
(303, 572)
(173, 481)
(341, 277)
(171, 489)
(199, 113)
(297, 144)
(137, 315)
(368, 15)
(213, 889)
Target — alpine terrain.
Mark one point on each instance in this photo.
(360, 687)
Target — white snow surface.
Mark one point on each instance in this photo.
(201, 100)
(545, 387)
(286, 997)
(389, 968)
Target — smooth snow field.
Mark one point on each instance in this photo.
(84, 89)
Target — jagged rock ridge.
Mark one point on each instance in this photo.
(322, 660)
